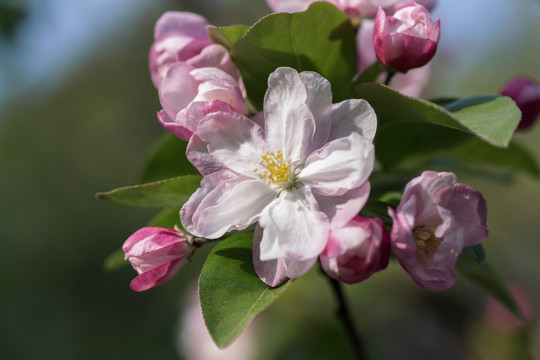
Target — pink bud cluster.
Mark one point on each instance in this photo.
(194, 76)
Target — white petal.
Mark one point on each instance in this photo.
(212, 186)
(319, 101)
(297, 268)
(197, 154)
(341, 165)
(271, 272)
(233, 140)
(294, 227)
(236, 209)
(342, 208)
(289, 122)
(353, 115)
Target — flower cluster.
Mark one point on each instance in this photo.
(299, 170)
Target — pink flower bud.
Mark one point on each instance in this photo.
(434, 221)
(411, 84)
(357, 250)
(525, 91)
(407, 39)
(182, 37)
(156, 254)
(179, 36)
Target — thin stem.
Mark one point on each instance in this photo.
(389, 75)
(345, 317)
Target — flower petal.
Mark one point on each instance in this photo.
(355, 115)
(212, 186)
(297, 268)
(271, 272)
(294, 227)
(157, 275)
(173, 127)
(319, 101)
(233, 140)
(342, 208)
(176, 23)
(215, 55)
(286, 113)
(340, 166)
(197, 154)
(177, 89)
(469, 209)
(235, 209)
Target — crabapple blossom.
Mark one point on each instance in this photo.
(356, 250)
(525, 91)
(289, 175)
(156, 254)
(435, 220)
(182, 36)
(407, 39)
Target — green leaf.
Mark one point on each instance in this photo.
(488, 279)
(424, 139)
(166, 193)
(477, 252)
(167, 160)
(115, 261)
(320, 39)
(370, 74)
(226, 36)
(167, 218)
(514, 157)
(230, 291)
(492, 118)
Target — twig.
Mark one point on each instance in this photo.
(346, 320)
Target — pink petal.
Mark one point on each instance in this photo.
(173, 127)
(181, 23)
(469, 209)
(156, 276)
(177, 89)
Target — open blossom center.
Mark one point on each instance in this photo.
(275, 168)
(426, 241)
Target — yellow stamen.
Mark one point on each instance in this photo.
(278, 170)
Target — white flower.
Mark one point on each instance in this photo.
(308, 165)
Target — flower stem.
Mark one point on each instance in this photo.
(389, 75)
(345, 317)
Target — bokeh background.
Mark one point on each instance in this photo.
(77, 116)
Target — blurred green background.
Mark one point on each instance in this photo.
(77, 116)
